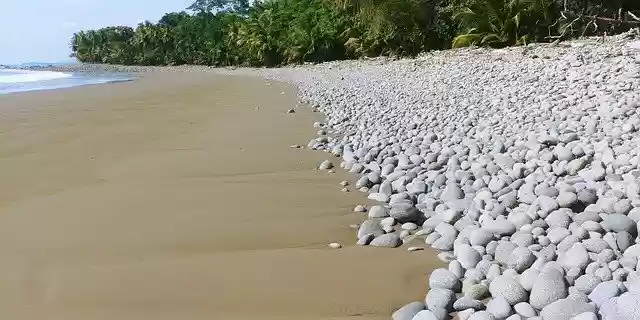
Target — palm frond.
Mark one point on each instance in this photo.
(466, 40)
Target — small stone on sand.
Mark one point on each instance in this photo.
(335, 245)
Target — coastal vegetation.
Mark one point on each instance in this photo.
(276, 32)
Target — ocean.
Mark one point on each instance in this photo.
(17, 80)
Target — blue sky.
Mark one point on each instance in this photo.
(39, 30)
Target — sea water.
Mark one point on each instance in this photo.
(17, 80)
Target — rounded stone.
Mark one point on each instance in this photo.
(389, 240)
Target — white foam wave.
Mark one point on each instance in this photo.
(19, 76)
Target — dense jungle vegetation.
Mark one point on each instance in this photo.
(276, 32)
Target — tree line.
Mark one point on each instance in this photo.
(276, 32)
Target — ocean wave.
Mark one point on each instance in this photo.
(20, 76)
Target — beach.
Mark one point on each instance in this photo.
(177, 196)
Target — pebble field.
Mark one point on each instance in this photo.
(520, 165)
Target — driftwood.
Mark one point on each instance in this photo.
(628, 18)
(613, 21)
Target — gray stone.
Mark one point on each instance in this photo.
(480, 237)
(465, 303)
(566, 199)
(370, 227)
(549, 287)
(456, 268)
(325, 165)
(468, 256)
(508, 288)
(389, 240)
(521, 259)
(427, 315)
(558, 219)
(501, 227)
(465, 314)
(619, 222)
(604, 291)
(477, 291)
(566, 309)
(625, 307)
(404, 212)
(587, 283)
(444, 279)
(451, 192)
(595, 245)
(438, 298)
(586, 316)
(366, 239)
(503, 251)
(524, 309)
(499, 308)
(576, 257)
(408, 311)
(547, 204)
(481, 315)
(378, 212)
(528, 278)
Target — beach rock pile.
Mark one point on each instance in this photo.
(520, 165)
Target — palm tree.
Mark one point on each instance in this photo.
(499, 23)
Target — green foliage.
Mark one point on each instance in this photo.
(236, 6)
(106, 45)
(397, 27)
(499, 23)
(268, 34)
(276, 32)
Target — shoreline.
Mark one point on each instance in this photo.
(499, 177)
(130, 200)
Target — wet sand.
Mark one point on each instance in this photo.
(177, 197)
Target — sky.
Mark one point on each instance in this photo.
(40, 30)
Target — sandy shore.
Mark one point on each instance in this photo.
(177, 197)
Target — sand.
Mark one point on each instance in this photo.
(177, 196)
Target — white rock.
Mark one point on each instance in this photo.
(576, 257)
(325, 165)
(378, 212)
(499, 308)
(549, 287)
(604, 291)
(508, 288)
(468, 256)
(521, 259)
(481, 315)
(370, 227)
(408, 311)
(524, 309)
(566, 309)
(438, 298)
(335, 245)
(444, 279)
(586, 316)
(425, 315)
